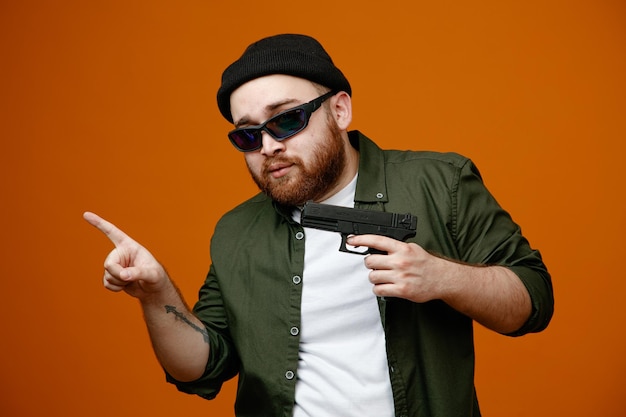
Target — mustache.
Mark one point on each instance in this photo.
(280, 159)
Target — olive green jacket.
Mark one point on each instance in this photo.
(250, 300)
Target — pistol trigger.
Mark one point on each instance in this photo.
(344, 242)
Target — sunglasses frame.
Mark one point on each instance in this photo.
(257, 131)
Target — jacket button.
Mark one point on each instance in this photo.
(289, 375)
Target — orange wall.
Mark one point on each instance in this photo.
(109, 106)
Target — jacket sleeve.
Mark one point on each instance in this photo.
(486, 234)
(223, 363)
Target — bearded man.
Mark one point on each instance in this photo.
(310, 330)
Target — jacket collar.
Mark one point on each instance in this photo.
(371, 185)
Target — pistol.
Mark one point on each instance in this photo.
(351, 221)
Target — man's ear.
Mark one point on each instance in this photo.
(342, 109)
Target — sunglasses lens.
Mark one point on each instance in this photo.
(281, 126)
(246, 140)
(287, 124)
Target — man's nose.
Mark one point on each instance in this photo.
(269, 145)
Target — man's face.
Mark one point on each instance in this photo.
(307, 166)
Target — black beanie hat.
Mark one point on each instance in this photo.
(297, 55)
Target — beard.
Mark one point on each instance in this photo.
(307, 182)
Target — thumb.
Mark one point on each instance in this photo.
(133, 274)
(129, 274)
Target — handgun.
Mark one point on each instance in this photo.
(351, 221)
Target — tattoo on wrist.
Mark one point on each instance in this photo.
(182, 317)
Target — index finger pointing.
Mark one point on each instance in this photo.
(114, 234)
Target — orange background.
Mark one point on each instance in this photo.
(109, 106)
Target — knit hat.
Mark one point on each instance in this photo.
(297, 55)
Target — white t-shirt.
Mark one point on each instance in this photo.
(342, 369)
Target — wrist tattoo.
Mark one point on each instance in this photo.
(182, 317)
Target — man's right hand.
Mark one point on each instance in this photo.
(179, 339)
(129, 266)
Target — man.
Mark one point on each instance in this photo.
(312, 331)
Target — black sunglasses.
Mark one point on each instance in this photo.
(282, 126)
